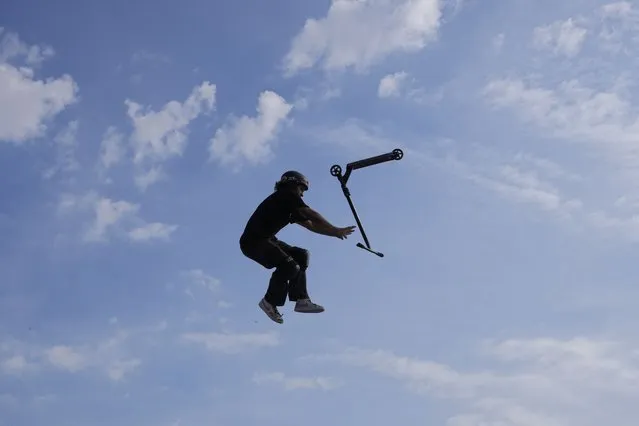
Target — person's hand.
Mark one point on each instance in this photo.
(343, 233)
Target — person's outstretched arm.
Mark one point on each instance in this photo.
(329, 230)
(315, 222)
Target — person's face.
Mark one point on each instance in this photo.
(299, 190)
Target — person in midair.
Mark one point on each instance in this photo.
(259, 243)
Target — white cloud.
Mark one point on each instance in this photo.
(592, 101)
(111, 147)
(7, 399)
(576, 359)
(107, 214)
(16, 364)
(526, 186)
(589, 103)
(390, 85)
(295, 383)
(204, 291)
(152, 231)
(158, 136)
(145, 56)
(27, 105)
(619, 26)
(119, 368)
(145, 179)
(520, 177)
(317, 93)
(113, 218)
(161, 135)
(502, 412)
(250, 138)
(229, 343)
(618, 9)
(66, 144)
(201, 279)
(108, 356)
(547, 167)
(574, 111)
(66, 358)
(532, 382)
(498, 42)
(12, 47)
(70, 203)
(622, 11)
(362, 33)
(353, 135)
(400, 85)
(523, 178)
(560, 37)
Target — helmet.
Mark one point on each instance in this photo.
(293, 177)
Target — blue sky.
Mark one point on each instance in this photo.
(136, 139)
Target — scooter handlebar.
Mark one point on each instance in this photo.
(396, 154)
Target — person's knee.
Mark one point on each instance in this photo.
(302, 257)
(288, 269)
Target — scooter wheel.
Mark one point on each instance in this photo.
(336, 170)
(398, 154)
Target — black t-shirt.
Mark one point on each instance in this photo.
(274, 213)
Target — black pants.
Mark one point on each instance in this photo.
(290, 263)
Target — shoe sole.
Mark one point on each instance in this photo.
(309, 311)
(279, 321)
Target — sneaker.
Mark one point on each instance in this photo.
(306, 306)
(271, 311)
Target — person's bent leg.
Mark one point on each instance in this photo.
(286, 270)
(298, 290)
(270, 256)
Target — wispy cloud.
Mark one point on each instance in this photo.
(355, 136)
(573, 111)
(544, 185)
(148, 56)
(152, 231)
(66, 358)
(200, 279)
(232, 343)
(619, 27)
(107, 215)
(391, 84)
(16, 364)
(111, 357)
(296, 382)
(588, 106)
(591, 103)
(112, 149)
(402, 85)
(517, 176)
(316, 93)
(12, 47)
(65, 145)
(533, 382)
(143, 180)
(560, 37)
(112, 218)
